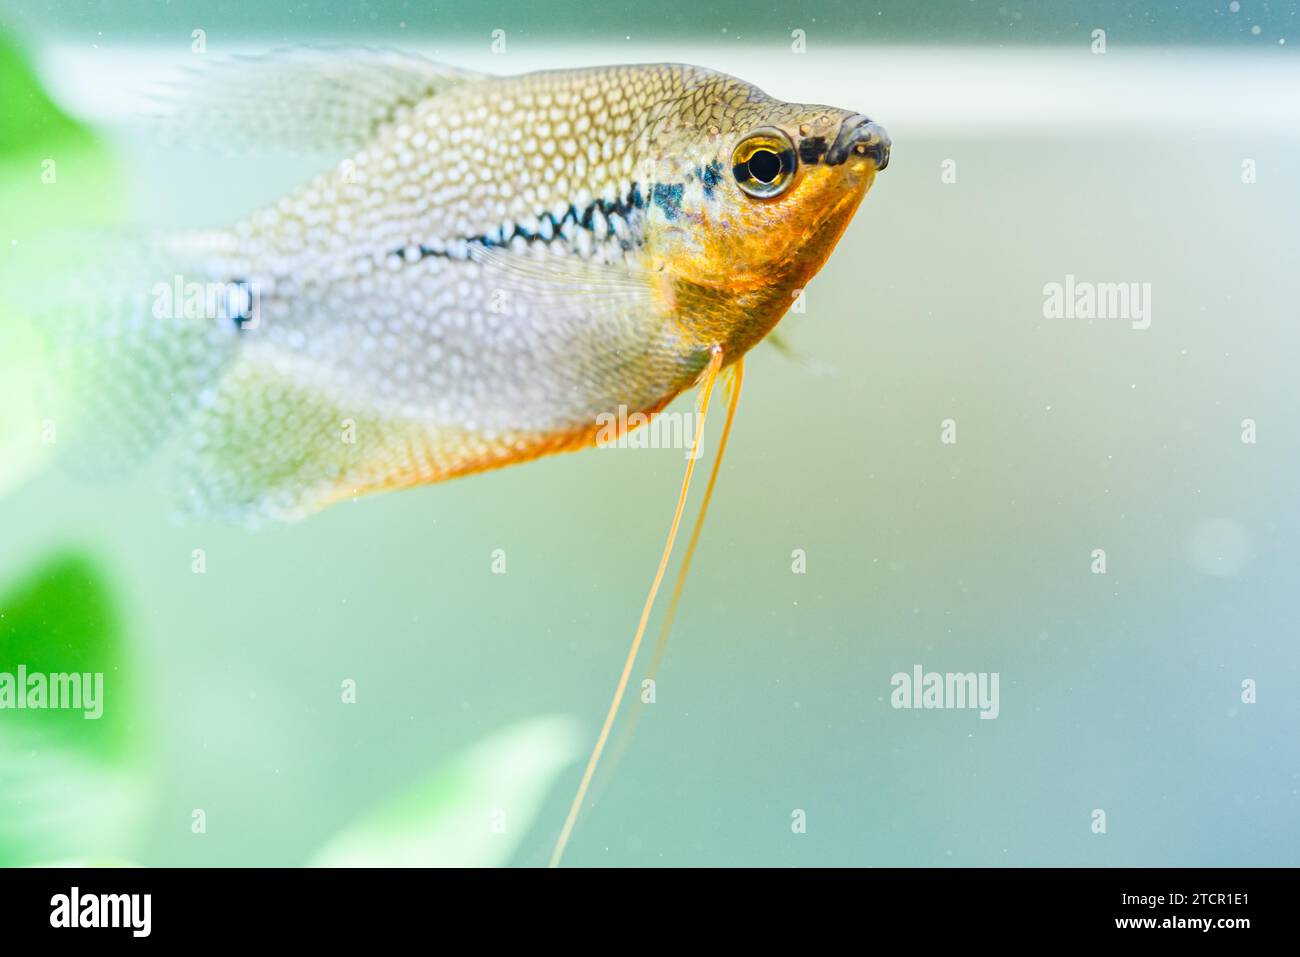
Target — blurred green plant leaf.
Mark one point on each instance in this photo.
(69, 785)
(472, 812)
(54, 171)
(88, 862)
(23, 451)
(55, 174)
(29, 112)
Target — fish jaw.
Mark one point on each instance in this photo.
(730, 280)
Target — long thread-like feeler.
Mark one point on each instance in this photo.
(707, 379)
(733, 399)
(656, 659)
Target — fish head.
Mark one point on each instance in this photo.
(778, 184)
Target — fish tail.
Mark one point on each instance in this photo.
(136, 338)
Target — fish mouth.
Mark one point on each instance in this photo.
(859, 136)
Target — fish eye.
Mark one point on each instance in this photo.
(764, 164)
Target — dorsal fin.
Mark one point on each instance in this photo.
(302, 98)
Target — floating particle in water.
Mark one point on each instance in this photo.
(1218, 547)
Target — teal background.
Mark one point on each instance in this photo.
(1119, 692)
(992, 22)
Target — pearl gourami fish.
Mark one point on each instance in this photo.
(494, 264)
(495, 267)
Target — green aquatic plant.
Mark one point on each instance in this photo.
(75, 775)
(72, 735)
(30, 115)
(55, 174)
(473, 811)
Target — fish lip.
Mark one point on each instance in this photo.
(859, 134)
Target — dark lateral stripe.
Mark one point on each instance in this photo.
(812, 149)
(668, 197)
(710, 176)
(243, 314)
(623, 207)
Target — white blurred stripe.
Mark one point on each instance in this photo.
(916, 90)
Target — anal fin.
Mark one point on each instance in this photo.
(277, 443)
